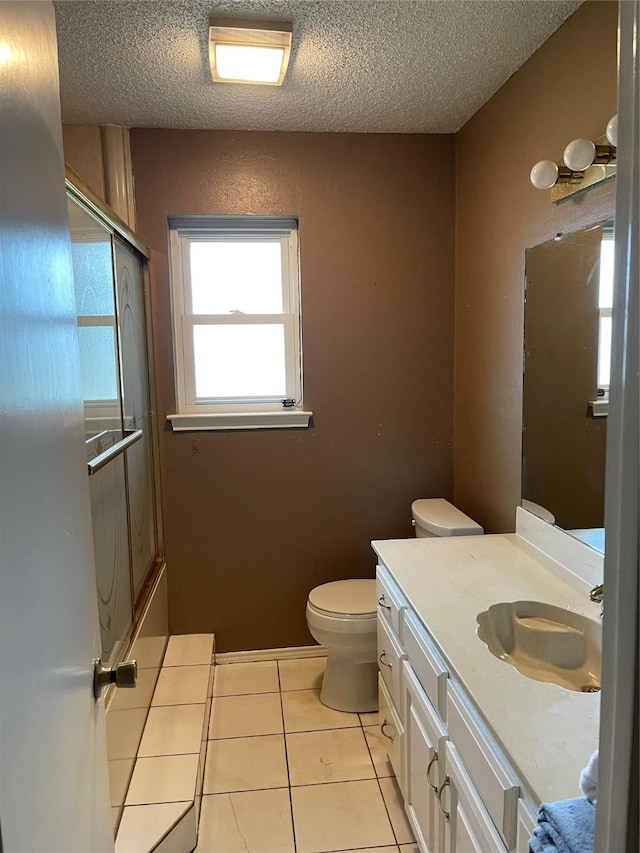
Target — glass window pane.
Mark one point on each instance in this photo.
(236, 277)
(604, 352)
(605, 295)
(240, 361)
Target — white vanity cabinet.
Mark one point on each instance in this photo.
(391, 654)
(477, 746)
(460, 793)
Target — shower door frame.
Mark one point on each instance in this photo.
(82, 194)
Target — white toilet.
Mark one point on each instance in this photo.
(342, 616)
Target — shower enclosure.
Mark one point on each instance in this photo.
(112, 314)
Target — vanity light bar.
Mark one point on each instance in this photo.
(579, 155)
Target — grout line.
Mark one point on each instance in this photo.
(168, 754)
(204, 752)
(386, 808)
(339, 782)
(375, 769)
(335, 782)
(286, 756)
(245, 737)
(163, 803)
(253, 693)
(243, 790)
(330, 729)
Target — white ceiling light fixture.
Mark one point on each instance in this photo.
(257, 54)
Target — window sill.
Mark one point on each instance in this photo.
(240, 420)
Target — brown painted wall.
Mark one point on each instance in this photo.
(566, 90)
(563, 446)
(254, 520)
(83, 152)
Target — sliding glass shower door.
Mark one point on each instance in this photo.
(109, 286)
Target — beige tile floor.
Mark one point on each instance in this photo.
(284, 774)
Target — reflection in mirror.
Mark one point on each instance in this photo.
(567, 347)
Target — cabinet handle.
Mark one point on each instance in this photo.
(445, 784)
(383, 603)
(386, 723)
(383, 661)
(429, 766)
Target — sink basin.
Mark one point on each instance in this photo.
(545, 643)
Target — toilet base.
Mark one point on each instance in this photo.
(351, 681)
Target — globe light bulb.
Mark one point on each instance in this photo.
(579, 154)
(612, 131)
(544, 175)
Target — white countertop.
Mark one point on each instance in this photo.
(547, 732)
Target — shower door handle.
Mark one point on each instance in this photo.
(98, 462)
(123, 674)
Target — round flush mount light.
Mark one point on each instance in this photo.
(612, 131)
(544, 175)
(579, 154)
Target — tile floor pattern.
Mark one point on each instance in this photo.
(285, 774)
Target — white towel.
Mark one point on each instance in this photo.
(589, 779)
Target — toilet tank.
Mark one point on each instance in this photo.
(437, 517)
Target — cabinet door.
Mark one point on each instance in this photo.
(392, 730)
(527, 822)
(424, 738)
(468, 828)
(390, 657)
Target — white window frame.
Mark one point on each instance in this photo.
(234, 412)
(604, 312)
(599, 407)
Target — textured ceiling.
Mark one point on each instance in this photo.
(397, 66)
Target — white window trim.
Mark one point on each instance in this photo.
(244, 413)
(286, 419)
(599, 408)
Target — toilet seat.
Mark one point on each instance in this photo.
(348, 599)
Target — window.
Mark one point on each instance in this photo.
(600, 407)
(605, 304)
(236, 315)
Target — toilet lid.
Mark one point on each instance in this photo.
(352, 598)
(441, 518)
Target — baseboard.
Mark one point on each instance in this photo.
(292, 653)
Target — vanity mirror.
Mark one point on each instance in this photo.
(567, 346)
